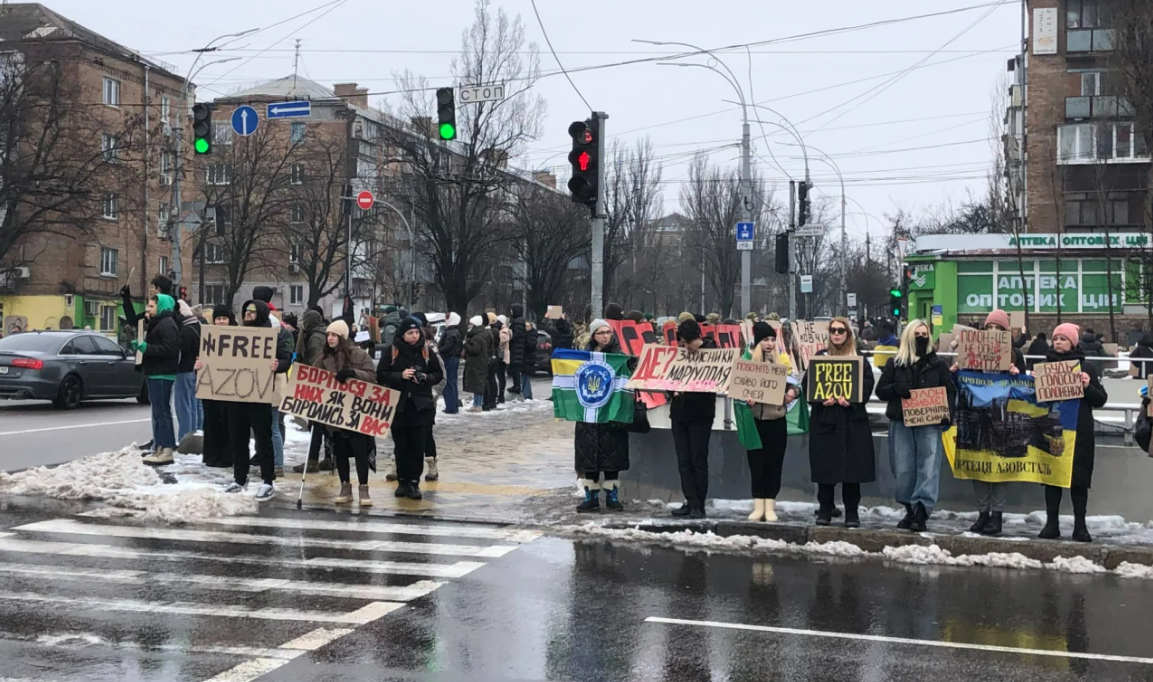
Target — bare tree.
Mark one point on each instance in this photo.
(459, 190)
(633, 200)
(549, 231)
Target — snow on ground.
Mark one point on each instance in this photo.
(509, 406)
(908, 554)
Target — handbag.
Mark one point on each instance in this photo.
(640, 423)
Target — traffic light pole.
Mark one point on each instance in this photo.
(596, 276)
(747, 208)
(792, 250)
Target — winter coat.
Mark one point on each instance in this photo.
(189, 344)
(695, 408)
(450, 345)
(841, 441)
(1084, 450)
(312, 338)
(1144, 349)
(563, 336)
(477, 353)
(930, 371)
(1143, 429)
(601, 447)
(416, 406)
(1038, 347)
(765, 412)
(1092, 348)
(517, 334)
(162, 334)
(360, 363)
(283, 336)
(505, 337)
(438, 389)
(388, 328)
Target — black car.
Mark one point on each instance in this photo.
(543, 358)
(67, 367)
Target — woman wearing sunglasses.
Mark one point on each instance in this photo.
(840, 439)
(915, 451)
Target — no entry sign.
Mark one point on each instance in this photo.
(364, 200)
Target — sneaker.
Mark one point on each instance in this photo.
(265, 492)
(160, 458)
(146, 448)
(235, 487)
(474, 410)
(697, 513)
(414, 491)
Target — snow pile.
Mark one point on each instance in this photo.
(1128, 570)
(932, 554)
(1077, 564)
(122, 480)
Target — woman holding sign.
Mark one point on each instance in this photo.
(840, 440)
(766, 462)
(915, 447)
(347, 361)
(601, 447)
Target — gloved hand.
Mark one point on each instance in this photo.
(946, 422)
(139, 346)
(902, 391)
(125, 291)
(344, 375)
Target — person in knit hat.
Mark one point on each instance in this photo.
(160, 349)
(477, 353)
(692, 416)
(217, 452)
(601, 448)
(347, 361)
(1065, 347)
(684, 317)
(635, 315)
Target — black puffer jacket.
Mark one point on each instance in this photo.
(563, 338)
(162, 334)
(928, 372)
(1144, 349)
(189, 344)
(1084, 451)
(1039, 347)
(450, 345)
(516, 325)
(841, 441)
(417, 407)
(695, 408)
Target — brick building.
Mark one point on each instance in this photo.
(69, 264)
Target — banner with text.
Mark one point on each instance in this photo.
(665, 368)
(237, 365)
(834, 378)
(925, 406)
(633, 337)
(315, 394)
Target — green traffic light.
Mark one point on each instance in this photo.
(447, 131)
(201, 146)
(896, 293)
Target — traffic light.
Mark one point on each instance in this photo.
(803, 203)
(896, 301)
(202, 128)
(783, 253)
(446, 113)
(183, 293)
(583, 157)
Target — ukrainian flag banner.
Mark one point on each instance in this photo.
(590, 387)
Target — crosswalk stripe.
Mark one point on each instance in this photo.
(226, 583)
(437, 530)
(250, 670)
(458, 569)
(78, 528)
(361, 616)
(87, 639)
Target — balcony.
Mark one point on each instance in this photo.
(1086, 40)
(1084, 108)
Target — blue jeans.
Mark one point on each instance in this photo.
(526, 385)
(188, 414)
(277, 439)
(915, 459)
(160, 395)
(451, 395)
(477, 399)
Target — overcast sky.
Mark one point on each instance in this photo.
(915, 139)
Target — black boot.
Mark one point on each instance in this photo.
(401, 489)
(592, 501)
(903, 524)
(697, 511)
(920, 516)
(979, 525)
(824, 516)
(993, 526)
(1051, 531)
(852, 517)
(1081, 531)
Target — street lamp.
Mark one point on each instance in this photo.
(828, 161)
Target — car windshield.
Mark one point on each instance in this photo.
(41, 343)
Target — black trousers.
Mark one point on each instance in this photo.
(515, 377)
(408, 446)
(342, 450)
(217, 439)
(490, 387)
(692, 444)
(1079, 495)
(850, 495)
(765, 464)
(254, 419)
(500, 380)
(316, 441)
(429, 443)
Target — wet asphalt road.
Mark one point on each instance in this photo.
(324, 596)
(33, 433)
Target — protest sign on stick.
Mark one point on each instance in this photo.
(554, 312)
(140, 338)
(834, 378)
(237, 365)
(810, 338)
(315, 394)
(926, 406)
(1058, 381)
(665, 368)
(984, 351)
(760, 382)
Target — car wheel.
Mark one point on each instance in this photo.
(69, 393)
(143, 398)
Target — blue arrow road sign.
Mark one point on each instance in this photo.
(744, 232)
(290, 109)
(244, 121)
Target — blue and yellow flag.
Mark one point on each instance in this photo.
(590, 387)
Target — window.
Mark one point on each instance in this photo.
(220, 217)
(111, 92)
(108, 261)
(222, 132)
(1085, 14)
(110, 201)
(298, 173)
(1075, 142)
(166, 113)
(297, 132)
(296, 294)
(297, 213)
(214, 253)
(162, 224)
(165, 168)
(213, 294)
(164, 265)
(108, 318)
(1085, 211)
(218, 174)
(81, 345)
(1091, 84)
(106, 346)
(108, 144)
(1087, 142)
(294, 253)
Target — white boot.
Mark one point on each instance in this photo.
(758, 511)
(770, 510)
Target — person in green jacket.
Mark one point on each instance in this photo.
(161, 360)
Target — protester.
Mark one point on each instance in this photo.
(284, 346)
(503, 357)
(189, 417)
(840, 438)
(886, 346)
(528, 368)
(1065, 338)
(614, 312)
(217, 449)
(1091, 347)
(563, 337)
(407, 368)
(347, 361)
(253, 420)
(1143, 427)
(159, 285)
(516, 348)
(161, 352)
(450, 349)
(388, 325)
(310, 344)
(1144, 349)
(915, 452)
(601, 448)
(692, 416)
(477, 352)
(1039, 348)
(766, 462)
(432, 470)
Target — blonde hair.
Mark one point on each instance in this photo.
(759, 354)
(907, 353)
(850, 347)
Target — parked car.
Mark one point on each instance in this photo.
(543, 353)
(67, 367)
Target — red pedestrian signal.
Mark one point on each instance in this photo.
(584, 160)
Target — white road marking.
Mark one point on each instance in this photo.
(72, 426)
(79, 528)
(311, 641)
(902, 640)
(226, 583)
(80, 640)
(359, 617)
(251, 670)
(454, 570)
(437, 530)
(248, 670)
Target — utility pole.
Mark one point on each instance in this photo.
(747, 214)
(792, 250)
(598, 227)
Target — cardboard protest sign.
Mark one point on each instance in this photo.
(633, 336)
(237, 364)
(984, 351)
(374, 329)
(926, 407)
(1017, 320)
(140, 337)
(554, 312)
(1058, 381)
(315, 394)
(833, 377)
(747, 332)
(760, 382)
(1111, 350)
(670, 333)
(810, 338)
(665, 368)
(945, 343)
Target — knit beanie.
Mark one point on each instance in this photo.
(689, 330)
(405, 325)
(421, 318)
(339, 327)
(1069, 331)
(476, 321)
(700, 319)
(597, 324)
(998, 317)
(684, 316)
(762, 331)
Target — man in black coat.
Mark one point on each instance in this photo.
(450, 347)
(160, 349)
(516, 348)
(408, 367)
(255, 419)
(563, 334)
(692, 416)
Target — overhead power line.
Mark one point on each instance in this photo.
(554, 56)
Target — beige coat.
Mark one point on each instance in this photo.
(768, 412)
